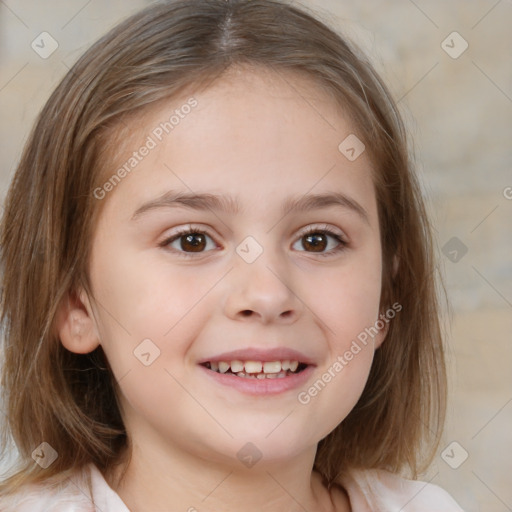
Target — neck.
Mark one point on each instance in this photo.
(156, 480)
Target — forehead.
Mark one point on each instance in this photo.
(253, 129)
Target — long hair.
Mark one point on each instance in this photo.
(70, 400)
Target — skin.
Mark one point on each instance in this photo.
(262, 137)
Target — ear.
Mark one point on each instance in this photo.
(75, 323)
(383, 332)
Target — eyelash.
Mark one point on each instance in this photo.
(312, 230)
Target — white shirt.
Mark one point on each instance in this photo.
(368, 491)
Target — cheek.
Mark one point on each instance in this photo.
(346, 379)
(148, 363)
(143, 297)
(339, 382)
(348, 306)
(149, 315)
(347, 299)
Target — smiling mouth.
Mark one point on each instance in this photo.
(257, 369)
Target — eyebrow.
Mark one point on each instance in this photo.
(231, 205)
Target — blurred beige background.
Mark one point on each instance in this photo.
(457, 102)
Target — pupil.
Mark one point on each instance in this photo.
(317, 240)
(196, 241)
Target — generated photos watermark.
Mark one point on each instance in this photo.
(362, 339)
(156, 136)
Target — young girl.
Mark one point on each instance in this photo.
(218, 278)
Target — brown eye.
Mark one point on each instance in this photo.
(194, 242)
(324, 242)
(316, 242)
(189, 241)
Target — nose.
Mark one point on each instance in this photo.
(262, 291)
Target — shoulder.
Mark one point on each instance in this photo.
(378, 490)
(43, 498)
(85, 492)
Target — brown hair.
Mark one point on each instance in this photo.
(68, 399)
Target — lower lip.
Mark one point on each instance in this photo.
(260, 387)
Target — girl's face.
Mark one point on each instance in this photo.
(254, 281)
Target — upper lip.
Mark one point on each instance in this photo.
(256, 354)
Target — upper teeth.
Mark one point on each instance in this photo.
(254, 366)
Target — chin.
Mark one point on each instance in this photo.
(263, 450)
